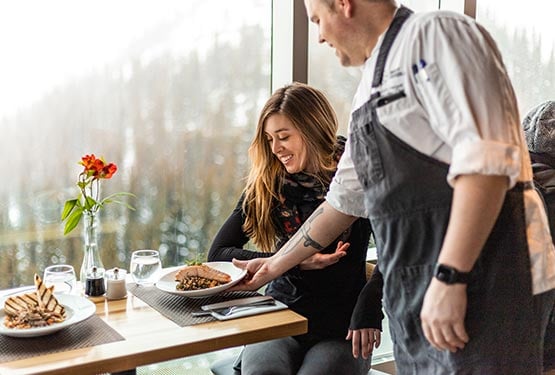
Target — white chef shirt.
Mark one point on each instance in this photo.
(459, 108)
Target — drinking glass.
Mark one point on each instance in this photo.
(145, 266)
(62, 276)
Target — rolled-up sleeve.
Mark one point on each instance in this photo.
(487, 158)
(477, 119)
(346, 194)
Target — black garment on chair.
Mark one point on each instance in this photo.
(544, 180)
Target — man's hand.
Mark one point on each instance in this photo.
(364, 341)
(257, 273)
(443, 315)
(319, 260)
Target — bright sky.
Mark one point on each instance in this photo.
(45, 43)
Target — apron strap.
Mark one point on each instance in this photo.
(403, 13)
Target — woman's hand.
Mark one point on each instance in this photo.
(319, 260)
(364, 341)
(259, 274)
(443, 315)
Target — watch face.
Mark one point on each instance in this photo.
(450, 275)
(445, 274)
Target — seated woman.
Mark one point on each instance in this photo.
(294, 155)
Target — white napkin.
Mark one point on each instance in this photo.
(251, 310)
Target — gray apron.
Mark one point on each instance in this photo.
(409, 201)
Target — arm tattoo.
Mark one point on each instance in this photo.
(303, 236)
(309, 241)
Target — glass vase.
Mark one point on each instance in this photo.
(91, 258)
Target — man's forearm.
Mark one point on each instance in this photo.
(477, 201)
(318, 231)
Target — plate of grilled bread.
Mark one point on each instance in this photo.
(201, 280)
(39, 312)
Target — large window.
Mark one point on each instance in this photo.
(168, 90)
(524, 34)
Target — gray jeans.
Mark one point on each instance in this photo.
(288, 356)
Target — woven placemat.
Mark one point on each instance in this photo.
(90, 332)
(179, 308)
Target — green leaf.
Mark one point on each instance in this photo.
(90, 203)
(118, 202)
(110, 199)
(68, 207)
(73, 220)
(121, 193)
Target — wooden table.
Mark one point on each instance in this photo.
(151, 338)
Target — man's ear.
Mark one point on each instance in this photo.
(345, 7)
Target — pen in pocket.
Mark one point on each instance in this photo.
(432, 89)
(420, 72)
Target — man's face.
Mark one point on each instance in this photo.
(334, 29)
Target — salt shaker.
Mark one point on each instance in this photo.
(115, 284)
(94, 284)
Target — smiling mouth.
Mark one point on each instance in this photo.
(285, 159)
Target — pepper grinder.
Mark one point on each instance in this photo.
(115, 284)
(94, 284)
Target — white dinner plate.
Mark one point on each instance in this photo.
(77, 309)
(167, 282)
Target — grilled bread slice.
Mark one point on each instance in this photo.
(43, 297)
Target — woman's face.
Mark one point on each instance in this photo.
(286, 143)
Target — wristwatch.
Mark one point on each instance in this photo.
(450, 275)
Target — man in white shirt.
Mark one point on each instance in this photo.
(436, 160)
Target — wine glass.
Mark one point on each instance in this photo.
(62, 276)
(145, 266)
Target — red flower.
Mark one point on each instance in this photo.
(108, 170)
(97, 168)
(88, 162)
(88, 202)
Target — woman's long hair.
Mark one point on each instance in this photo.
(313, 116)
